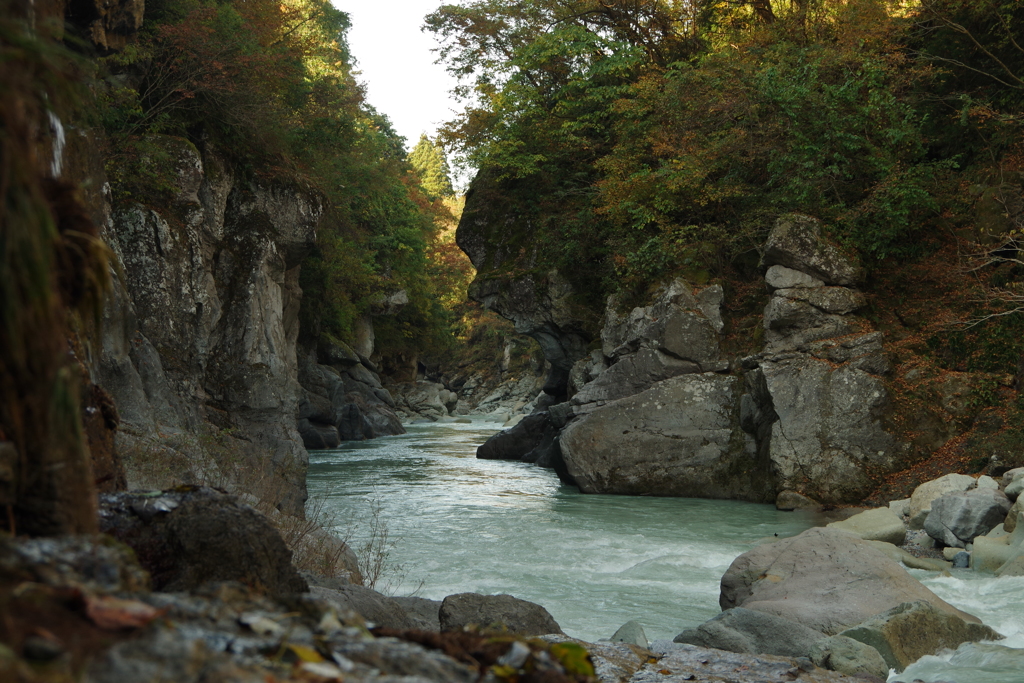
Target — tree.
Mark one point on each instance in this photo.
(428, 159)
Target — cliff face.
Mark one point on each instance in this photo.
(199, 337)
(501, 241)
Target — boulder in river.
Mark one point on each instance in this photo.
(825, 579)
(519, 617)
(880, 524)
(921, 499)
(911, 630)
(681, 437)
(745, 630)
(957, 518)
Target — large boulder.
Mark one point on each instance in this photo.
(190, 536)
(923, 496)
(824, 579)
(911, 630)
(525, 441)
(422, 612)
(681, 437)
(797, 242)
(826, 437)
(752, 632)
(956, 518)
(880, 524)
(519, 617)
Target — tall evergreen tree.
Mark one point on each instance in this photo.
(435, 176)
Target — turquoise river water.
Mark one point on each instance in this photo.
(457, 524)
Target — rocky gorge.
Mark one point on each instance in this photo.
(196, 401)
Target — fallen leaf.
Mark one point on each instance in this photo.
(113, 614)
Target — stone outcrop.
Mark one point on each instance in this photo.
(201, 331)
(187, 538)
(825, 579)
(817, 402)
(342, 398)
(498, 238)
(504, 612)
(681, 437)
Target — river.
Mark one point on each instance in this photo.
(457, 524)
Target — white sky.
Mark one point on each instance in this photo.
(397, 65)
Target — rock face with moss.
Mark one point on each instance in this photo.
(200, 336)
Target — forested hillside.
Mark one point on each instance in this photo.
(622, 144)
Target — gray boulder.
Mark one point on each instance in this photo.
(849, 656)
(828, 432)
(797, 242)
(752, 632)
(1011, 517)
(781, 277)
(1013, 490)
(825, 579)
(911, 630)
(421, 611)
(519, 617)
(922, 497)
(1009, 476)
(956, 518)
(189, 536)
(677, 322)
(681, 437)
(880, 524)
(632, 633)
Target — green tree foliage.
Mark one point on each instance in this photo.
(653, 137)
(429, 161)
(270, 84)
